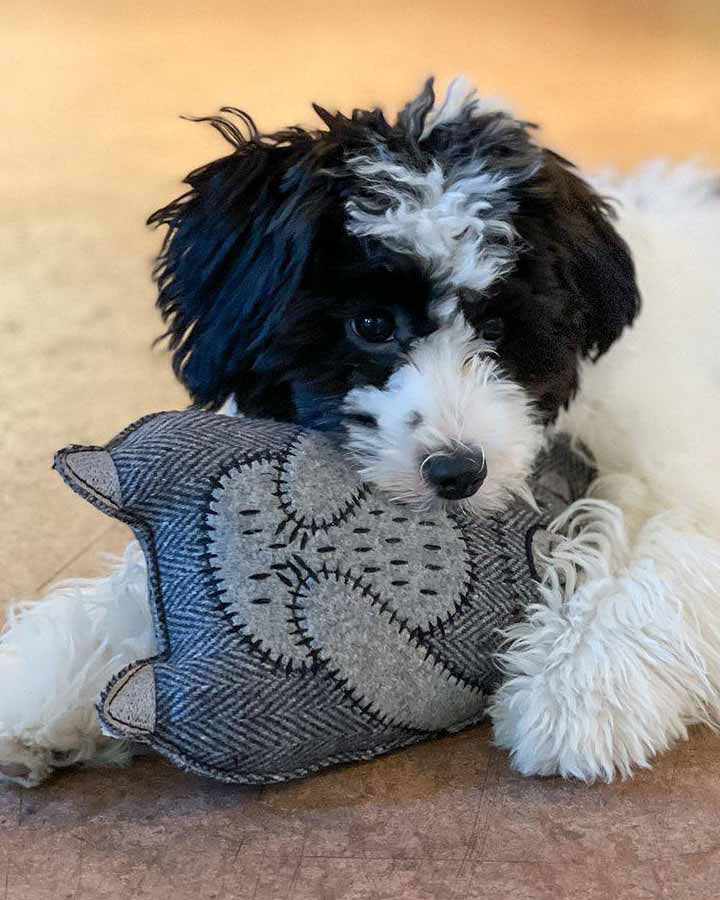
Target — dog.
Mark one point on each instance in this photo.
(442, 293)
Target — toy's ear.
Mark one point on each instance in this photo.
(91, 472)
(234, 255)
(127, 709)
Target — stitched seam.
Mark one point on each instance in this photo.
(186, 761)
(412, 634)
(281, 493)
(210, 567)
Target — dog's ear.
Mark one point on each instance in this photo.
(236, 248)
(570, 227)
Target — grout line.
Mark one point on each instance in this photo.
(659, 881)
(483, 810)
(295, 874)
(6, 891)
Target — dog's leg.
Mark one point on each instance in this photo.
(56, 655)
(622, 654)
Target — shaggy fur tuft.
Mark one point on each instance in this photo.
(621, 655)
(60, 653)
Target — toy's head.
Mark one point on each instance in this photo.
(301, 618)
(428, 286)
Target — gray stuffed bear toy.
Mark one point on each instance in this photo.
(301, 618)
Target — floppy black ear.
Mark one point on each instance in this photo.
(571, 226)
(236, 248)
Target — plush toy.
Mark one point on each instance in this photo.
(301, 618)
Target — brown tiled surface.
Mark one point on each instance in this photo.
(91, 144)
(442, 820)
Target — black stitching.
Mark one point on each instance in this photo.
(413, 634)
(207, 573)
(281, 494)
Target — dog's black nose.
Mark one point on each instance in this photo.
(457, 475)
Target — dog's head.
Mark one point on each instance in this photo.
(427, 287)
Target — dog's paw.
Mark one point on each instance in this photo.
(596, 685)
(23, 765)
(29, 766)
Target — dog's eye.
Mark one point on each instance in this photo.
(492, 330)
(375, 328)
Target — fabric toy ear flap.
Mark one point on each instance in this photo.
(127, 709)
(91, 472)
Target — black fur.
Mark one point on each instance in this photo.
(572, 290)
(258, 276)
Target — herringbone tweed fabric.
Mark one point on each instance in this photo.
(302, 619)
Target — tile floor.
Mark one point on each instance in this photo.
(443, 820)
(91, 144)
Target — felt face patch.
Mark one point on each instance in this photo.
(301, 618)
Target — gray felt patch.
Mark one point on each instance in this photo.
(130, 704)
(95, 468)
(301, 618)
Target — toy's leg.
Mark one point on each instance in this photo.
(56, 655)
(622, 654)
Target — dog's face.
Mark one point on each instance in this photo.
(428, 289)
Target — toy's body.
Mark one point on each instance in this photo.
(301, 618)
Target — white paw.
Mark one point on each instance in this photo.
(23, 765)
(29, 766)
(621, 654)
(595, 687)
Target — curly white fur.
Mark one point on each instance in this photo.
(56, 656)
(622, 653)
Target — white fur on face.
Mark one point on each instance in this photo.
(450, 393)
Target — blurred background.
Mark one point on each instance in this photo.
(92, 143)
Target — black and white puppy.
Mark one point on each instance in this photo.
(434, 290)
(430, 287)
